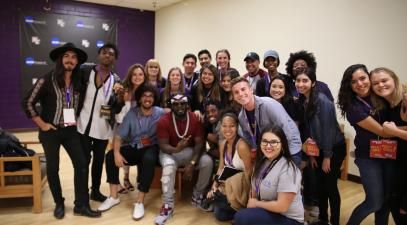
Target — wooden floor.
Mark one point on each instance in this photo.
(18, 211)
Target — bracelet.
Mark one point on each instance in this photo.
(216, 178)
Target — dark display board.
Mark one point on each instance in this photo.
(42, 32)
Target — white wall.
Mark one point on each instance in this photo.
(338, 32)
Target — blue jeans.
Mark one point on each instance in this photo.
(258, 216)
(221, 208)
(377, 180)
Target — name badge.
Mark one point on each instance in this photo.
(146, 141)
(383, 149)
(311, 148)
(69, 117)
(105, 111)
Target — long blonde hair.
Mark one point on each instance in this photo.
(153, 62)
(397, 95)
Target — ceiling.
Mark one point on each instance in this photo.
(152, 5)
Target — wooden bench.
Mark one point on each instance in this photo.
(23, 183)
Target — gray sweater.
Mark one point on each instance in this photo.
(270, 112)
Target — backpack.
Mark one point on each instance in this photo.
(10, 146)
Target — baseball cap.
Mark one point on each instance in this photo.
(252, 56)
(271, 53)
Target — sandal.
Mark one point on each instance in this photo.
(122, 190)
(128, 185)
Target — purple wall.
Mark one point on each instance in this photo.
(135, 36)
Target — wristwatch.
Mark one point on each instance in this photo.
(193, 162)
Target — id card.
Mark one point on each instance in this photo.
(69, 117)
(105, 111)
(376, 149)
(146, 141)
(311, 148)
(383, 149)
(389, 148)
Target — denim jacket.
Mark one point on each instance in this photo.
(323, 126)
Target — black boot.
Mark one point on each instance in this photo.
(86, 211)
(59, 211)
(95, 195)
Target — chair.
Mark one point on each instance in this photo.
(178, 180)
(24, 183)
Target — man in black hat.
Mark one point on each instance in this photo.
(97, 117)
(59, 94)
(254, 73)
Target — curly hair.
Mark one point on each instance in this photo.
(146, 87)
(308, 57)
(346, 95)
(112, 46)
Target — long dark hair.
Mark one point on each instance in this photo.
(346, 96)
(311, 107)
(59, 74)
(127, 80)
(287, 95)
(285, 150)
(215, 89)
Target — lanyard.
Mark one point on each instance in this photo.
(364, 102)
(252, 130)
(229, 161)
(68, 95)
(189, 84)
(263, 174)
(107, 89)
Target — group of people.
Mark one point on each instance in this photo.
(277, 132)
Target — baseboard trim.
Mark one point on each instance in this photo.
(21, 130)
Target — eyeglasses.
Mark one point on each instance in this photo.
(272, 143)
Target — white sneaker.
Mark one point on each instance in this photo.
(138, 211)
(108, 203)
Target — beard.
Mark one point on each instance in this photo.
(180, 113)
(146, 107)
(69, 67)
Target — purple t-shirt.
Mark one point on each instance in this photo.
(356, 112)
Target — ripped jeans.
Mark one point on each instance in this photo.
(170, 163)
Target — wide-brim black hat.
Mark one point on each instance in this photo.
(55, 53)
